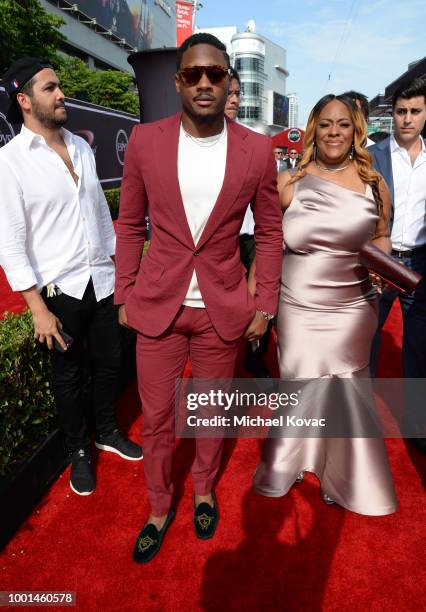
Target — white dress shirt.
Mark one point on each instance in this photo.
(201, 170)
(248, 223)
(409, 182)
(52, 230)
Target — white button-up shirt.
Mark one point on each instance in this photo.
(409, 181)
(52, 230)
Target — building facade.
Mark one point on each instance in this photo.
(293, 110)
(104, 33)
(261, 65)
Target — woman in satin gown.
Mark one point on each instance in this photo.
(327, 317)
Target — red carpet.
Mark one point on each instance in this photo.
(292, 553)
(9, 301)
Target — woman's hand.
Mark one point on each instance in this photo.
(378, 282)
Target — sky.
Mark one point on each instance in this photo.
(332, 45)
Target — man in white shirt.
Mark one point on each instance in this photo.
(57, 244)
(401, 159)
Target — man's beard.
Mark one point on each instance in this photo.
(48, 119)
(204, 119)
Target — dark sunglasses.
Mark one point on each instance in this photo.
(192, 74)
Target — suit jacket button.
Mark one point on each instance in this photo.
(195, 253)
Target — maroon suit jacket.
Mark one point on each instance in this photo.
(153, 289)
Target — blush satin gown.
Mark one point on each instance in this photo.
(326, 321)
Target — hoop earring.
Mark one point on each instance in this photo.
(352, 153)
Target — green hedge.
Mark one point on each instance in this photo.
(26, 402)
(113, 199)
(27, 410)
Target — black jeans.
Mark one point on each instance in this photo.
(95, 324)
(413, 342)
(414, 320)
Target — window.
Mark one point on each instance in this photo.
(252, 89)
(250, 112)
(253, 64)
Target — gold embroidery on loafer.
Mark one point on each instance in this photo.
(145, 543)
(204, 520)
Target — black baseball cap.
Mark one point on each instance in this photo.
(16, 77)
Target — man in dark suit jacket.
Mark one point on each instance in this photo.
(292, 159)
(401, 159)
(281, 163)
(196, 170)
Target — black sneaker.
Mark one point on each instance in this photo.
(117, 443)
(81, 479)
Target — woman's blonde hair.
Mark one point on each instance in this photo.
(361, 157)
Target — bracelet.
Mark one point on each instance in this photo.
(266, 315)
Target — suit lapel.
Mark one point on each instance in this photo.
(166, 159)
(237, 163)
(383, 156)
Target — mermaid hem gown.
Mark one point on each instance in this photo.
(326, 322)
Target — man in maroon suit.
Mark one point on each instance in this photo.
(188, 297)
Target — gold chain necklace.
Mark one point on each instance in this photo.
(331, 169)
(206, 145)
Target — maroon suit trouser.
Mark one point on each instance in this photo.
(160, 361)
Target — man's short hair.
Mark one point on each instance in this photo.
(28, 87)
(201, 38)
(236, 76)
(363, 100)
(410, 89)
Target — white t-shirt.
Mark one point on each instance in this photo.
(201, 170)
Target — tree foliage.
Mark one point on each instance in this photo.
(105, 87)
(27, 29)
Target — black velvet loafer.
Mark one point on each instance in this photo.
(206, 519)
(149, 540)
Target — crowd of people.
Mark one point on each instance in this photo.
(241, 235)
